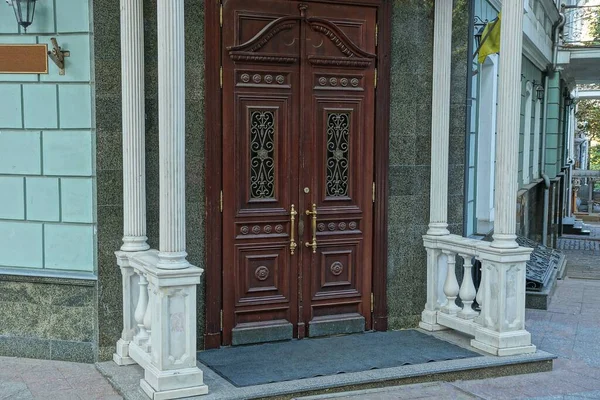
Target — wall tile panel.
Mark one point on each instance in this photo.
(12, 198)
(77, 200)
(10, 106)
(39, 106)
(69, 247)
(76, 109)
(72, 15)
(68, 153)
(21, 244)
(20, 153)
(42, 199)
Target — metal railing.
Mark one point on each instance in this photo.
(582, 26)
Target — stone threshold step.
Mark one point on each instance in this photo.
(126, 380)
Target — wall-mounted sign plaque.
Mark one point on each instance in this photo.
(23, 59)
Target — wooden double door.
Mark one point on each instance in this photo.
(298, 132)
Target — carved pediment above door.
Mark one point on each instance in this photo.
(279, 40)
(351, 55)
(269, 44)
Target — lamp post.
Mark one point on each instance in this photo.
(24, 10)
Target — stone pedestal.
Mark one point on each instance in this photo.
(436, 273)
(130, 294)
(502, 320)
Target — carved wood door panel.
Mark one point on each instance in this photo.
(298, 125)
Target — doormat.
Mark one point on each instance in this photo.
(308, 358)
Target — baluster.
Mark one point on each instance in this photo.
(451, 287)
(467, 289)
(140, 310)
(148, 321)
(479, 297)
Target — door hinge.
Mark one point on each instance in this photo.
(221, 77)
(221, 316)
(373, 192)
(372, 302)
(221, 201)
(375, 78)
(220, 14)
(376, 34)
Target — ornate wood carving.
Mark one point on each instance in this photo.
(340, 62)
(261, 57)
(339, 38)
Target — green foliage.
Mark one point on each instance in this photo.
(595, 26)
(595, 157)
(588, 117)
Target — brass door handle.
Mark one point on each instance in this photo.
(293, 244)
(313, 213)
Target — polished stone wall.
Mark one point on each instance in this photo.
(109, 153)
(410, 150)
(530, 211)
(49, 318)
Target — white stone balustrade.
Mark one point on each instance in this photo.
(499, 328)
(159, 310)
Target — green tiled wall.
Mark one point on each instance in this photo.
(555, 128)
(530, 73)
(47, 193)
(47, 144)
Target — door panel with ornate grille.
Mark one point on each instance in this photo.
(298, 126)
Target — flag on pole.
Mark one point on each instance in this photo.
(490, 39)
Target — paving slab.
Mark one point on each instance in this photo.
(28, 379)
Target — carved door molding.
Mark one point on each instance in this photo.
(298, 128)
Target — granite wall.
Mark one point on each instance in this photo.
(410, 150)
(49, 318)
(530, 211)
(109, 153)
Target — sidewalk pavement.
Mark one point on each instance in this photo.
(570, 328)
(27, 379)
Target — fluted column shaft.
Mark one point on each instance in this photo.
(171, 116)
(507, 137)
(440, 124)
(132, 89)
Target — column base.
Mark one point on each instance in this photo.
(121, 356)
(135, 243)
(438, 229)
(504, 241)
(173, 384)
(429, 321)
(174, 393)
(172, 260)
(503, 343)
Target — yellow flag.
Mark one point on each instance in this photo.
(490, 39)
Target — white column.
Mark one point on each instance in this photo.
(132, 88)
(440, 125)
(134, 164)
(171, 116)
(507, 137)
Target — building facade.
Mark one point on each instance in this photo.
(285, 161)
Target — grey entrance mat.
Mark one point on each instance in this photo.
(299, 359)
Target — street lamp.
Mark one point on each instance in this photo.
(24, 10)
(539, 90)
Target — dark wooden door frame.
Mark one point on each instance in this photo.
(213, 271)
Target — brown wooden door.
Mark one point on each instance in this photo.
(298, 131)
